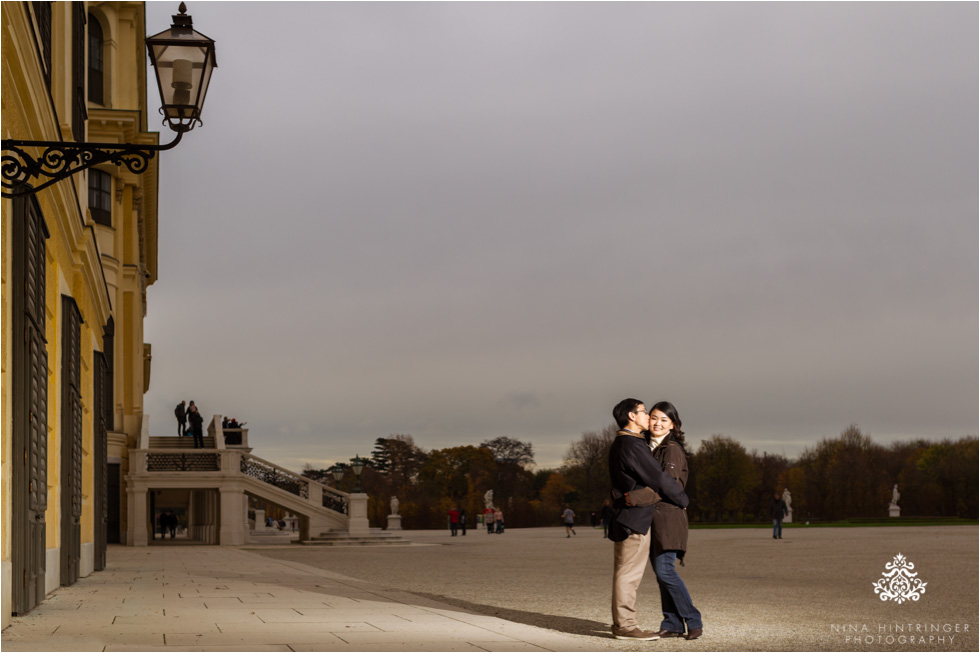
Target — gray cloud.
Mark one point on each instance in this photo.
(401, 213)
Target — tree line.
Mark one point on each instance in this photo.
(849, 476)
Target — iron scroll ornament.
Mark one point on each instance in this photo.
(60, 160)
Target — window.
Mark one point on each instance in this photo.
(96, 62)
(42, 19)
(100, 196)
(78, 111)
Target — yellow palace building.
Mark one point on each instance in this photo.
(78, 257)
(80, 469)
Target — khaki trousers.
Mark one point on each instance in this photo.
(630, 559)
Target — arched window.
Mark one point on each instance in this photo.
(96, 61)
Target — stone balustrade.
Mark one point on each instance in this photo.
(224, 476)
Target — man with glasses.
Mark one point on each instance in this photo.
(631, 467)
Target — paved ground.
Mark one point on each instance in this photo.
(808, 591)
(526, 590)
(198, 598)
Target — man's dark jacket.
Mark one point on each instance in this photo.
(631, 466)
(197, 421)
(777, 509)
(181, 413)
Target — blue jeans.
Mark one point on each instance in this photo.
(777, 527)
(674, 597)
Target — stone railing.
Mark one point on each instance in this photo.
(227, 438)
(225, 478)
(275, 475)
(184, 461)
(235, 438)
(313, 491)
(335, 501)
(232, 461)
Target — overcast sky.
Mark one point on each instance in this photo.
(462, 221)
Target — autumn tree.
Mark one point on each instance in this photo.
(319, 475)
(772, 470)
(395, 463)
(456, 476)
(586, 468)
(725, 478)
(952, 467)
(398, 458)
(512, 480)
(556, 493)
(510, 450)
(843, 477)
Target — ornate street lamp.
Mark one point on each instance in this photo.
(338, 473)
(357, 464)
(183, 60)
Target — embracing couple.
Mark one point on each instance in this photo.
(648, 470)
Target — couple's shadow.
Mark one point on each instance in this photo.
(565, 624)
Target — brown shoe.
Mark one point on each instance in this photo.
(693, 634)
(664, 634)
(634, 633)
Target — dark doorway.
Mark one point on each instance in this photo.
(71, 441)
(99, 456)
(112, 511)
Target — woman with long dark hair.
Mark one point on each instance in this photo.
(670, 527)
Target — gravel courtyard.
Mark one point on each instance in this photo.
(812, 590)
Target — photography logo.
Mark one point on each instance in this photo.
(899, 582)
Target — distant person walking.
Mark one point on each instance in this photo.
(180, 412)
(498, 519)
(777, 511)
(197, 425)
(569, 518)
(606, 516)
(462, 521)
(453, 521)
(488, 520)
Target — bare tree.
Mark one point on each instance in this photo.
(586, 466)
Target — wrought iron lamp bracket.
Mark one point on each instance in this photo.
(60, 160)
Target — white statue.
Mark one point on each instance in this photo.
(894, 510)
(788, 499)
(488, 500)
(394, 519)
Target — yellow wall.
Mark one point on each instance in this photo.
(105, 278)
(9, 124)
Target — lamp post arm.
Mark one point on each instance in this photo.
(60, 160)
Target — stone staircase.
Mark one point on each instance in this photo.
(376, 537)
(178, 442)
(222, 478)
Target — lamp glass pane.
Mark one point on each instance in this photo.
(183, 60)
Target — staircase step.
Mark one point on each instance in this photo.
(354, 541)
(176, 442)
(343, 536)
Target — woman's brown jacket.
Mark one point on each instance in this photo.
(670, 521)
